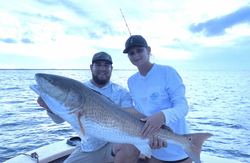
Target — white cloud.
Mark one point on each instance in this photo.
(165, 53)
(70, 29)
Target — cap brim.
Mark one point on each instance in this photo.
(102, 60)
(126, 50)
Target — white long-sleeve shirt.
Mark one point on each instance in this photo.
(162, 90)
(118, 95)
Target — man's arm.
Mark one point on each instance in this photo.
(134, 111)
(53, 116)
(43, 104)
(154, 142)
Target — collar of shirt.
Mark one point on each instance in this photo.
(148, 74)
(89, 83)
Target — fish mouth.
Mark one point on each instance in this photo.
(36, 89)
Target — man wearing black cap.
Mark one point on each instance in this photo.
(96, 150)
(101, 69)
(135, 40)
(162, 100)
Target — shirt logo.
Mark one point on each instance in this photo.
(154, 96)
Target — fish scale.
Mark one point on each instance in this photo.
(116, 118)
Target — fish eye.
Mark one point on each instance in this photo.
(72, 98)
(50, 80)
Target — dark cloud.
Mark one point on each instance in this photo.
(49, 2)
(101, 32)
(67, 4)
(96, 28)
(94, 35)
(40, 16)
(74, 7)
(176, 40)
(26, 41)
(14, 41)
(108, 29)
(217, 26)
(9, 40)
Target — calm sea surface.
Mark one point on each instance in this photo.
(219, 103)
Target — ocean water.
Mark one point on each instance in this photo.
(219, 103)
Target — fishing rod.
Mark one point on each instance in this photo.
(125, 22)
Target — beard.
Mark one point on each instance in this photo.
(100, 81)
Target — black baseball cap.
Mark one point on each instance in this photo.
(101, 56)
(135, 40)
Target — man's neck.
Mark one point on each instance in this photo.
(98, 85)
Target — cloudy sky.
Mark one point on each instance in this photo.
(186, 34)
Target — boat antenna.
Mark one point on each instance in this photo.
(125, 22)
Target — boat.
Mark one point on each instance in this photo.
(59, 151)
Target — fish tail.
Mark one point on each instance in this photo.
(194, 146)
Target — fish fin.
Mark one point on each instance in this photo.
(107, 98)
(79, 133)
(196, 140)
(145, 149)
(103, 95)
(79, 114)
